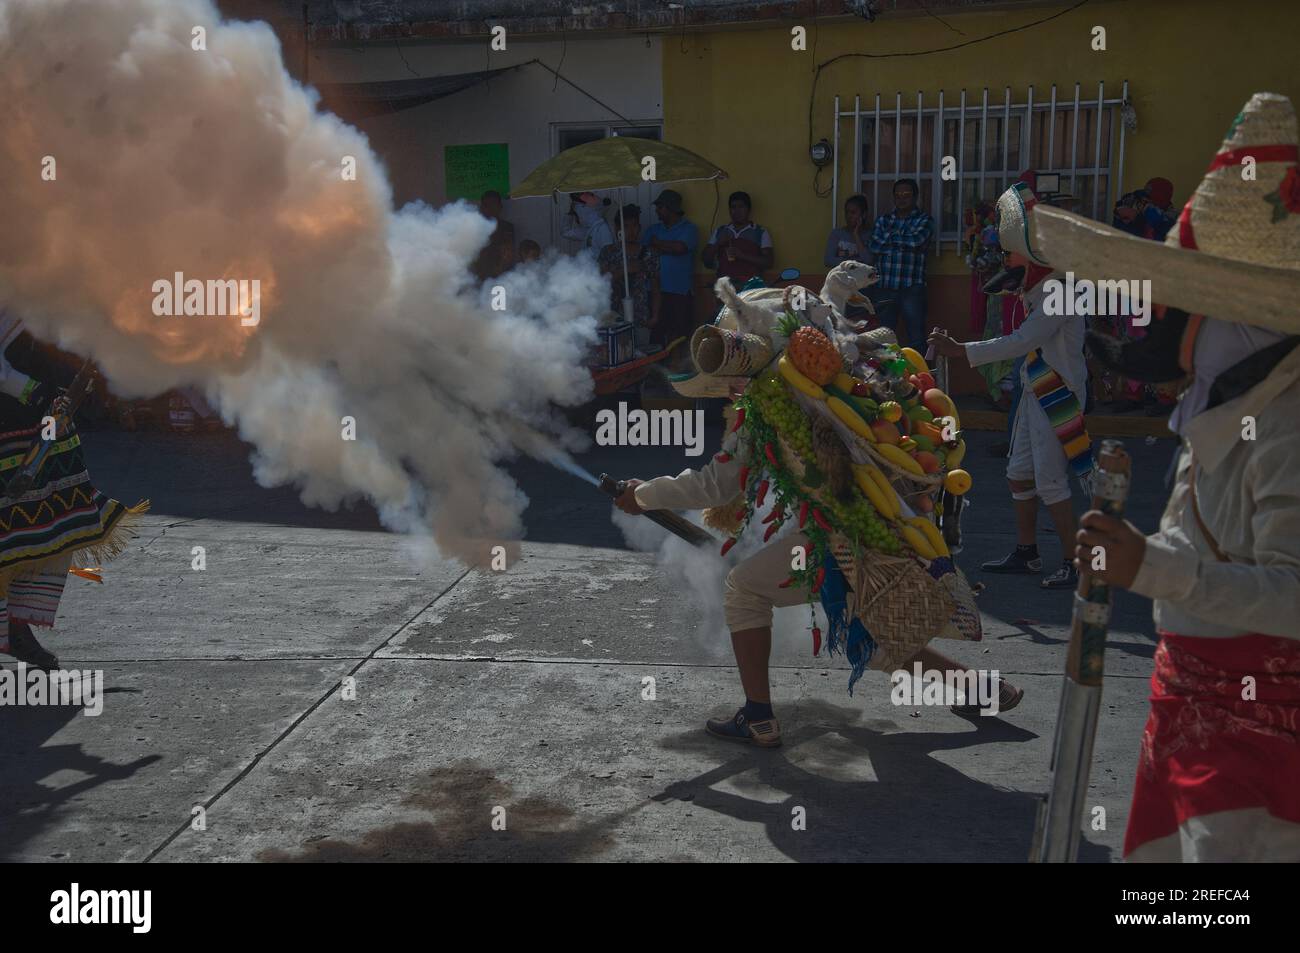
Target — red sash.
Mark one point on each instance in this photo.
(1207, 749)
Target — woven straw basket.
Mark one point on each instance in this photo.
(902, 605)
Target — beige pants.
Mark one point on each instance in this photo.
(753, 587)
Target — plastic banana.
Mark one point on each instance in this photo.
(844, 382)
(852, 419)
(871, 490)
(797, 380)
(886, 488)
(914, 360)
(899, 458)
(954, 456)
(931, 533)
(917, 540)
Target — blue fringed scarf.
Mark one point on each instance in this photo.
(841, 631)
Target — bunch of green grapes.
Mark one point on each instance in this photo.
(860, 520)
(782, 413)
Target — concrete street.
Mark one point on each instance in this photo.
(520, 690)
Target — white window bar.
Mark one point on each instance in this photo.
(936, 184)
(1037, 148)
(1051, 131)
(1027, 140)
(875, 162)
(835, 169)
(1074, 136)
(898, 136)
(961, 168)
(984, 125)
(857, 152)
(1119, 168)
(1006, 143)
(1096, 149)
(920, 121)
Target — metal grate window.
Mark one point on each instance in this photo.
(991, 141)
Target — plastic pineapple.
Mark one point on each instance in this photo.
(813, 354)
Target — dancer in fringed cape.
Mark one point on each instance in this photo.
(59, 522)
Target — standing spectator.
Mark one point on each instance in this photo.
(900, 241)
(529, 250)
(642, 271)
(849, 242)
(499, 254)
(676, 239)
(589, 225)
(741, 249)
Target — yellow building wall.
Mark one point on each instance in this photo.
(741, 97)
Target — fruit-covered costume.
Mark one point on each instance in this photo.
(1049, 441)
(840, 465)
(1219, 771)
(60, 519)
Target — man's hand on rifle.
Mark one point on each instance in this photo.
(61, 405)
(945, 344)
(1122, 544)
(627, 501)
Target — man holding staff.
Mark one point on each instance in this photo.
(1219, 769)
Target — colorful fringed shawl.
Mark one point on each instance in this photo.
(63, 515)
(1063, 412)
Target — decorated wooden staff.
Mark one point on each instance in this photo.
(1059, 829)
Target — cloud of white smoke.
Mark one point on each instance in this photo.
(127, 155)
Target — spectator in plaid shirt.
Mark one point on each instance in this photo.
(900, 242)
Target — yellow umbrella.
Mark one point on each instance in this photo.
(615, 163)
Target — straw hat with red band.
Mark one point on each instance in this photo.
(1235, 251)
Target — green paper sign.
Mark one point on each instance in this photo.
(472, 170)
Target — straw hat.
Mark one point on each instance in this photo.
(1014, 206)
(1235, 251)
(727, 353)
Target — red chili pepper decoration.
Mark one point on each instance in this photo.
(727, 546)
(762, 492)
(770, 530)
(744, 476)
(776, 514)
(771, 455)
(817, 640)
(723, 457)
(787, 584)
(740, 420)
(821, 520)
(819, 579)
(803, 513)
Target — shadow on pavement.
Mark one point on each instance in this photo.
(27, 805)
(917, 809)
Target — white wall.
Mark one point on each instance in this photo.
(517, 108)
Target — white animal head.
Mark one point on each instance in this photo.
(848, 278)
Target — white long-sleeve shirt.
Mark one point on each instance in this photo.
(1059, 337)
(1248, 493)
(712, 485)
